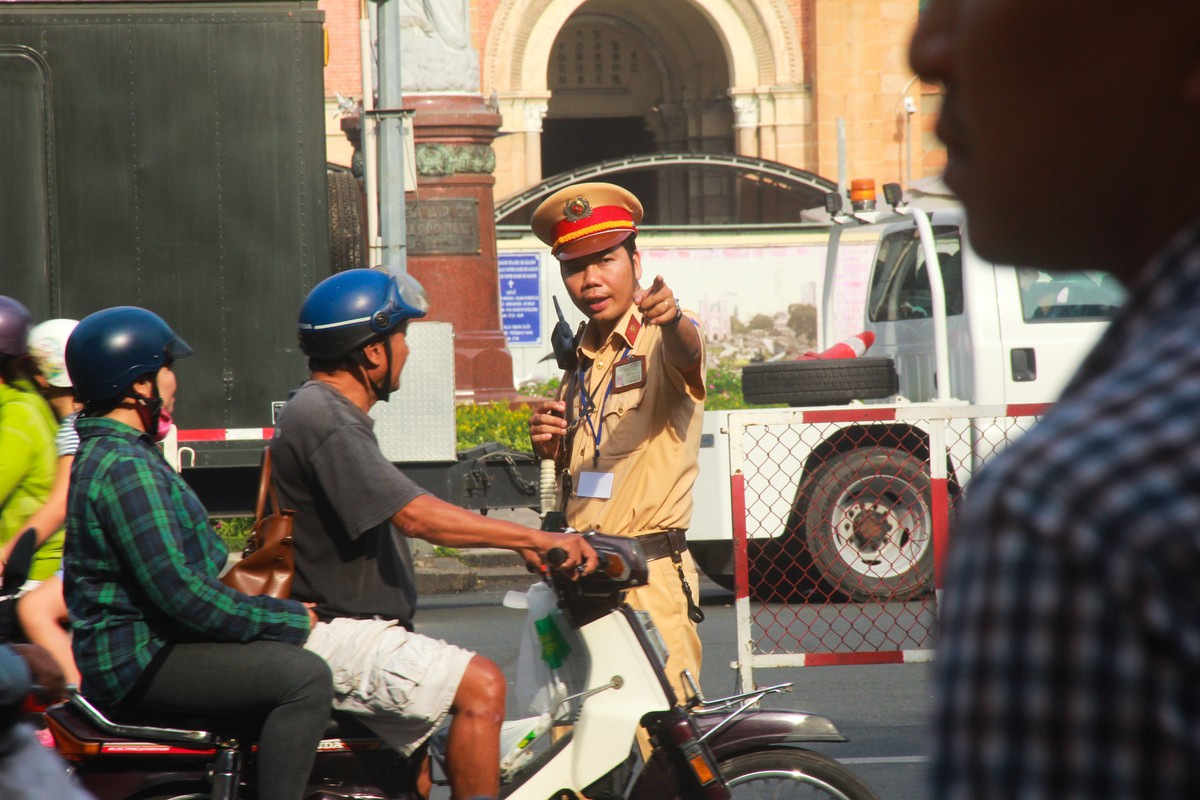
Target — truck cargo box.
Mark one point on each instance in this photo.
(171, 155)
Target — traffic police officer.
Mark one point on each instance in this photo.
(625, 429)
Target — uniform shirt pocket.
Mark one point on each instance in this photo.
(626, 428)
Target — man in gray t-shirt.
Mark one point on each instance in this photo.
(350, 560)
(354, 510)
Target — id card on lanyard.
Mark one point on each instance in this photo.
(628, 373)
(597, 485)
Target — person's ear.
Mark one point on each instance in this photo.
(373, 353)
(637, 265)
(143, 386)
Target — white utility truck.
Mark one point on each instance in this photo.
(950, 329)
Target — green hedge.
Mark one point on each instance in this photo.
(509, 425)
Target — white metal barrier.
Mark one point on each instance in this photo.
(841, 517)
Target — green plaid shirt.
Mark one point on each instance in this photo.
(141, 565)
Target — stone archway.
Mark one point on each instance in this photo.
(753, 43)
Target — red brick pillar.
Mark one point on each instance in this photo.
(451, 236)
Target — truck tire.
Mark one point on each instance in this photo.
(347, 247)
(868, 527)
(821, 382)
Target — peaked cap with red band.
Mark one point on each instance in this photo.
(586, 218)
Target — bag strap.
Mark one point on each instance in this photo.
(265, 488)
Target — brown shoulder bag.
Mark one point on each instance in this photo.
(268, 562)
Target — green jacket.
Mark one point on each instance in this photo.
(27, 468)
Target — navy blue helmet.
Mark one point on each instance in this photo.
(110, 349)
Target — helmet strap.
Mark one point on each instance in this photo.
(383, 389)
(148, 408)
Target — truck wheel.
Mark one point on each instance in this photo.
(346, 245)
(868, 526)
(823, 382)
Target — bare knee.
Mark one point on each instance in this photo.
(32, 609)
(482, 691)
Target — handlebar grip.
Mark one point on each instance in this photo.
(556, 556)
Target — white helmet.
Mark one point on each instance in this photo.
(48, 345)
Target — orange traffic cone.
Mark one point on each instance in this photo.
(853, 347)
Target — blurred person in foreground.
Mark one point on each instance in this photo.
(28, 769)
(1069, 654)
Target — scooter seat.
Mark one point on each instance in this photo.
(159, 724)
(196, 727)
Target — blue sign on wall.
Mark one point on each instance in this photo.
(521, 297)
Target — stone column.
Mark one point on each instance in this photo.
(745, 125)
(451, 237)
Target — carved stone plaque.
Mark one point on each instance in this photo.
(443, 227)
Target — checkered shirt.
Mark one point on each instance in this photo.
(1069, 656)
(141, 565)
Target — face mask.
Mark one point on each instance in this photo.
(164, 425)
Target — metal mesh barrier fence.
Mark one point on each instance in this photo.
(841, 518)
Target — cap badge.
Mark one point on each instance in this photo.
(577, 209)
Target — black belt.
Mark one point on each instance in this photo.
(663, 544)
(673, 544)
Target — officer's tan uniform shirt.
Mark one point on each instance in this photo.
(649, 438)
(649, 441)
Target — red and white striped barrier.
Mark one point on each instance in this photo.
(225, 434)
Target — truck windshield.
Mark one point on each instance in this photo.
(1073, 296)
(900, 281)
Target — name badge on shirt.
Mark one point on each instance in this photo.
(629, 373)
(595, 484)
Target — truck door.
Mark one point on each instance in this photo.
(1048, 323)
(900, 312)
(25, 235)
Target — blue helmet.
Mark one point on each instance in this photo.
(109, 350)
(347, 310)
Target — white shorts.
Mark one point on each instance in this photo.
(401, 683)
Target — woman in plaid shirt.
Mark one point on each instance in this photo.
(153, 627)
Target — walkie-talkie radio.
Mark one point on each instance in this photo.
(562, 341)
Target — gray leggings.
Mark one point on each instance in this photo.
(289, 686)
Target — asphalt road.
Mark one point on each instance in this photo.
(880, 708)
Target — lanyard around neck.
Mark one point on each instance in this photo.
(587, 404)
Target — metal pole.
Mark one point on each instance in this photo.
(937, 298)
(370, 143)
(908, 115)
(843, 170)
(391, 140)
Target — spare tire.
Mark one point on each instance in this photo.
(819, 382)
(347, 240)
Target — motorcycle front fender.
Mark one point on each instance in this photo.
(754, 729)
(757, 728)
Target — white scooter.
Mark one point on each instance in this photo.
(601, 682)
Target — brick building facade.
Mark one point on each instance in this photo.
(576, 82)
